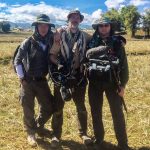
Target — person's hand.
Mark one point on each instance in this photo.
(121, 92)
(60, 30)
(57, 37)
(23, 82)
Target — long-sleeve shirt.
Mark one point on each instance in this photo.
(22, 54)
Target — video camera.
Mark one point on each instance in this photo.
(63, 78)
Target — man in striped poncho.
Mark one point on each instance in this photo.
(72, 48)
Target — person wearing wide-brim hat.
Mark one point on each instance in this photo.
(102, 20)
(72, 50)
(32, 68)
(42, 19)
(75, 12)
(108, 78)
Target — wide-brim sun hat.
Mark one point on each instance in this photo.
(75, 12)
(100, 21)
(42, 19)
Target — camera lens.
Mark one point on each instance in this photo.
(65, 93)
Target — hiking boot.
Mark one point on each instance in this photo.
(87, 140)
(55, 142)
(32, 140)
(124, 147)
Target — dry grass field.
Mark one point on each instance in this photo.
(137, 97)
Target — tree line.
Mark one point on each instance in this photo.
(129, 19)
(4, 26)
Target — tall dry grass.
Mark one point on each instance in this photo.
(12, 136)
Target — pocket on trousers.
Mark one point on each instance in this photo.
(21, 96)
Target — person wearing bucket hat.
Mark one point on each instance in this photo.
(105, 20)
(102, 20)
(31, 65)
(42, 19)
(73, 44)
(75, 12)
(104, 80)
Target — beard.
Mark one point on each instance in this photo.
(74, 24)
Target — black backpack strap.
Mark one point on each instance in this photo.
(32, 48)
(13, 59)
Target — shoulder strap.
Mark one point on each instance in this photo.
(32, 44)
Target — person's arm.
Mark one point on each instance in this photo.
(19, 71)
(124, 73)
(22, 52)
(124, 70)
(54, 51)
(61, 29)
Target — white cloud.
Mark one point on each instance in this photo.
(34, 10)
(77, 8)
(97, 14)
(114, 4)
(139, 2)
(28, 12)
(3, 5)
(16, 18)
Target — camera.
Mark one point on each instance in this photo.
(65, 93)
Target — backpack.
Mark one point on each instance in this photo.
(101, 62)
(23, 62)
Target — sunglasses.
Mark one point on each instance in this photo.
(103, 25)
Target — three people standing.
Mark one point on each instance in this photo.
(72, 46)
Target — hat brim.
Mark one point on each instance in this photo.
(94, 26)
(81, 16)
(42, 22)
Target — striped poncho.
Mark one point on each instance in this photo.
(73, 48)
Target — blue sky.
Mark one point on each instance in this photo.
(84, 5)
(26, 11)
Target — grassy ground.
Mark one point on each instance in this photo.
(12, 136)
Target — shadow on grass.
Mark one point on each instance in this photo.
(5, 60)
(44, 144)
(65, 144)
(73, 145)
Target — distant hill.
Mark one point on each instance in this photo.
(20, 25)
(25, 25)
